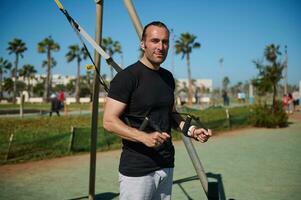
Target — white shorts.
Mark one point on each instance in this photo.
(154, 186)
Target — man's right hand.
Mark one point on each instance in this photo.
(155, 139)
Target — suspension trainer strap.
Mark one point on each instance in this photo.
(81, 32)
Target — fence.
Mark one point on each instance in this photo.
(19, 145)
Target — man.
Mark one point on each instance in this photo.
(146, 89)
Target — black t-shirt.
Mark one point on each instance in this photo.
(146, 92)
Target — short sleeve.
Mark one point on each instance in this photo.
(122, 86)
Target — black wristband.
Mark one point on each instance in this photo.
(186, 126)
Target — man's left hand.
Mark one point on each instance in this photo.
(201, 134)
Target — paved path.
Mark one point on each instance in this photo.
(253, 164)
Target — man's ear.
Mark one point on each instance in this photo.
(142, 45)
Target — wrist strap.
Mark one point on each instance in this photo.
(190, 130)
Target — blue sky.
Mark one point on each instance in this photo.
(235, 30)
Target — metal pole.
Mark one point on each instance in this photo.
(98, 37)
(285, 71)
(188, 144)
(221, 60)
(196, 162)
(9, 146)
(22, 105)
(134, 17)
(172, 52)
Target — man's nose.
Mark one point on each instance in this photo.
(160, 45)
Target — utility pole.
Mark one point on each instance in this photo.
(94, 123)
(285, 71)
(172, 52)
(221, 60)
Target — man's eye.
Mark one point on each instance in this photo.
(155, 40)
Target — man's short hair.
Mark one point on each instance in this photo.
(154, 23)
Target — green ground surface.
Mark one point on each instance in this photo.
(254, 164)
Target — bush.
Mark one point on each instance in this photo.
(263, 115)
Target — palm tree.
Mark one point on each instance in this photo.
(52, 61)
(45, 64)
(269, 75)
(184, 46)
(117, 49)
(271, 52)
(27, 72)
(48, 45)
(4, 66)
(17, 47)
(75, 52)
(111, 47)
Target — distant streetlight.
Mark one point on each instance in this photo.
(285, 70)
(172, 51)
(221, 60)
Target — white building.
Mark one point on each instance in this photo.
(56, 79)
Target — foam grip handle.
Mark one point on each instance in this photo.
(186, 125)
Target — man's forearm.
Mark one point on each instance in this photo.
(118, 127)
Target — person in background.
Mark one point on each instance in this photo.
(285, 102)
(55, 105)
(61, 98)
(296, 98)
(225, 98)
(290, 106)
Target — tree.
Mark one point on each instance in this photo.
(226, 82)
(75, 52)
(88, 80)
(270, 74)
(184, 46)
(70, 86)
(8, 85)
(17, 47)
(4, 66)
(52, 61)
(59, 87)
(45, 64)
(39, 88)
(111, 47)
(27, 72)
(48, 45)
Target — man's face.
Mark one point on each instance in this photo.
(155, 44)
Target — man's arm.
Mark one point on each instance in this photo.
(112, 123)
(199, 134)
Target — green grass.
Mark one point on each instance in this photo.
(45, 106)
(44, 137)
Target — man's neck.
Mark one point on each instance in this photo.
(148, 64)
